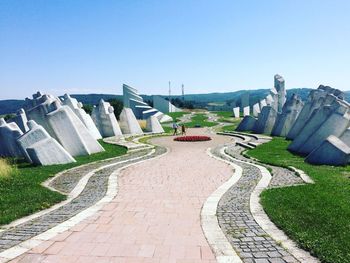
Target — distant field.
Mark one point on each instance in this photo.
(201, 120)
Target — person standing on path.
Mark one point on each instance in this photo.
(183, 129)
(175, 126)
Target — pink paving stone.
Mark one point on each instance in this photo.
(156, 215)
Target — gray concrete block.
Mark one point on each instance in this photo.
(128, 122)
(153, 125)
(21, 120)
(247, 124)
(9, 133)
(236, 112)
(266, 120)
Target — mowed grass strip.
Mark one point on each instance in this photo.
(317, 216)
(21, 193)
(200, 119)
(177, 115)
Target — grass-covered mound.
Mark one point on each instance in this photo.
(20, 191)
(317, 216)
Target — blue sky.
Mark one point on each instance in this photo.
(211, 46)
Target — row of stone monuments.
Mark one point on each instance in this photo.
(319, 128)
(51, 131)
(276, 99)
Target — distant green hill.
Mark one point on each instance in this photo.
(200, 100)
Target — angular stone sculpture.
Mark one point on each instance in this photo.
(128, 122)
(281, 91)
(266, 120)
(246, 111)
(262, 104)
(21, 120)
(256, 109)
(335, 125)
(236, 112)
(153, 125)
(9, 133)
(105, 120)
(312, 125)
(164, 105)
(332, 151)
(287, 117)
(247, 124)
(77, 108)
(62, 124)
(40, 148)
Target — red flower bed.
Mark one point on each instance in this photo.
(195, 138)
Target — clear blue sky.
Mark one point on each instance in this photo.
(81, 46)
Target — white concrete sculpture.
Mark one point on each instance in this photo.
(62, 124)
(9, 133)
(128, 122)
(247, 124)
(287, 117)
(256, 109)
(105, 120)
(77, 108)
(164, 105)
(21, 120)
(266, 120)
(140, 108)
(153, 125)
(236, 112)
(40, 148)
(262, 104)
(335, 125)
(281, 91)
(246, 111)
(332, 151)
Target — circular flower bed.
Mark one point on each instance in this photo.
(195, 138)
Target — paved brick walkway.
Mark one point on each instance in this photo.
(155, 216)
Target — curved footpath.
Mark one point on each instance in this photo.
(154, 218)
(168, 209)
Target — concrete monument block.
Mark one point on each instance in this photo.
(128, 122)
(335, 125)
(21, 120)
(105, 120)
(9, 133)
(247, 124)
(236, 112)
(256, 109)
(263, 103)
(317, 118)
(40, 148)
(286, 119)
(266, 120)
(71, 132)
(332, 151)
(164, 105)
(77, 108)
(279, 85)
(246, 111)
(153, 125)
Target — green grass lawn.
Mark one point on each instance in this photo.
(200, 119)
(317, 216)
(224, 114)
(177, 115)
(21, 193)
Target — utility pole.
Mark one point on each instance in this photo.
(183, 92)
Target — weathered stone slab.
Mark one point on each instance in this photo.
(236, 112)
(246, 111)
(286, 119)
(9, 133)
(153, 125)
(247, 124)
(128, 122)
(279, 85)
(317, 118)
(40, 148)
(256, 109)
(77, 108)
(332, 151)
(334, 125)
(266, 120)
(105, 120)
(21, 120)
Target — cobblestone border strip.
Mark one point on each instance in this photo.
(217, 240)
(72, 195)
(112, 191)
(263, 220)
(303, 175)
